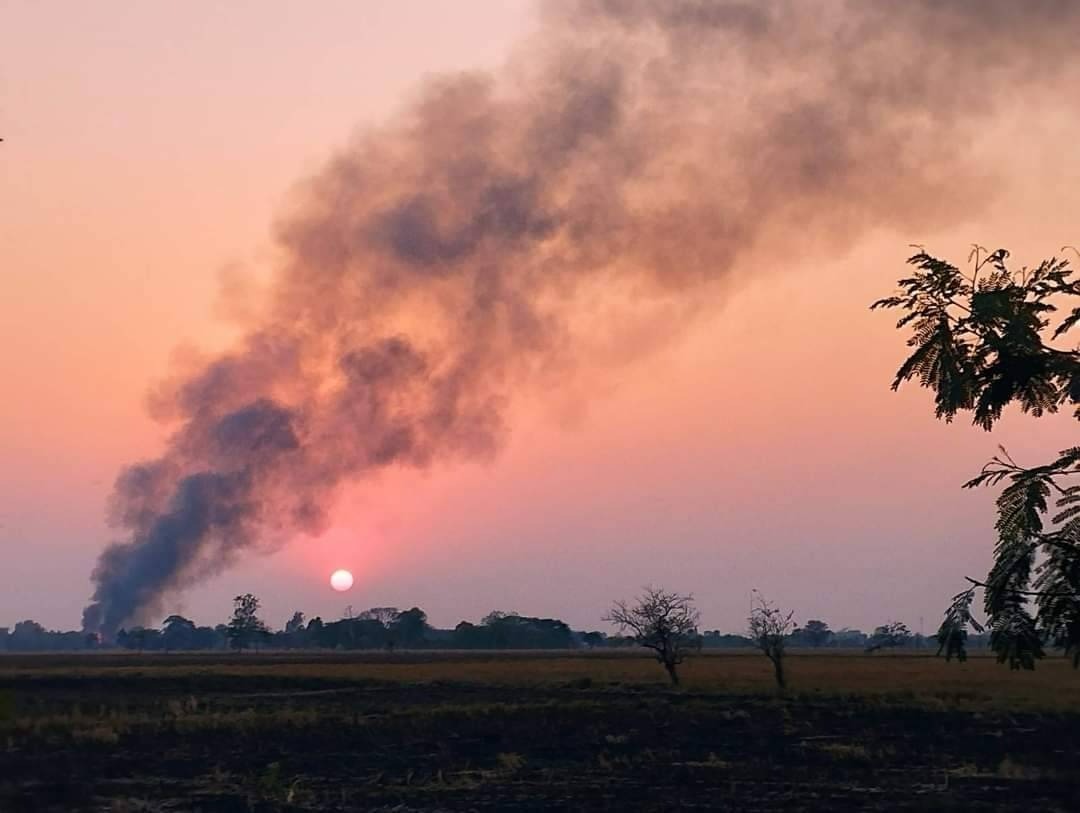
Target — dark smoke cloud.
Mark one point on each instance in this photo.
(634, 152)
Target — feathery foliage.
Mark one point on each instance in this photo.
(953, 632)
(982, 341)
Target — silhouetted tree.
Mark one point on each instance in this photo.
(469, 636)
(714, 639)
(982, 340)
(661, 621)
(847, 637)
(495, 616)
(296, 623)
(816, 633)
(210, 637)
(315, 631)
(293, 635)
(497, 627)
(28, 636)
(593, 639)
(500, 630)
(221, 635)
(768, 628)
(952, 635)
(384, 615)
(177, 632)
(140, 638)
(245, 626)
(385, 618)
(889, 636)
(410, 628)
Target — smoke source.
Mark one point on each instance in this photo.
(633, 152)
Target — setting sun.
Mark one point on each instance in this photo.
(341, 580)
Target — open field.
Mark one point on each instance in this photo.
(532, 731)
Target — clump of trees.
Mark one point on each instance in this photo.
(179, 633)
(816, 634)
(385, 628)
(499, 630)
(983, 339)
(388, 628)
(769, 627)
(377, 628)
(30, 636)
(665, 622)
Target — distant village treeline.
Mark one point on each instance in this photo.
(387, 628)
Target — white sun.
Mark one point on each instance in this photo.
(341, 580)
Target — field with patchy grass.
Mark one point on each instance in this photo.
(535, 731)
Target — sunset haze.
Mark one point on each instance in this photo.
(711, 432)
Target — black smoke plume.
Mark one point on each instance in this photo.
(633, 152)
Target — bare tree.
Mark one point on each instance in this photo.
(661, 621)
(769, 627)
(384, 615)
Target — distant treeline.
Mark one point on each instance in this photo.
(387, 628)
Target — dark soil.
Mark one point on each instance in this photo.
(236, 743)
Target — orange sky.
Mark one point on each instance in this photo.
(149, 147)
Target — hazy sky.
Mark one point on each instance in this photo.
(147, 147)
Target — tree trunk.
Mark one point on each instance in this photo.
(672, 673)
(778, 668)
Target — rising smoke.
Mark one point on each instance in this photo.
(634, 151)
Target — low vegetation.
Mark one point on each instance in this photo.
(527, 731)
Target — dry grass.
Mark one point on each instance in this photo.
(317, 730)
(907, 678)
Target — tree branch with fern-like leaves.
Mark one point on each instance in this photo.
(981, 342)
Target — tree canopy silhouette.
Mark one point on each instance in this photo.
(769, 627)
(981, 341)
(245, 627)
(665, 622)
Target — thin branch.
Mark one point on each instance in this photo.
(1034, 593)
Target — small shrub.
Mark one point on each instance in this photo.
(1010, 769)
(846, 752)
(510, 762)
(101, 734)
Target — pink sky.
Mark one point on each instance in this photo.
(148, 147)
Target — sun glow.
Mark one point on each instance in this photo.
(341, 580)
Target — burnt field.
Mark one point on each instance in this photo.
(454, 731)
